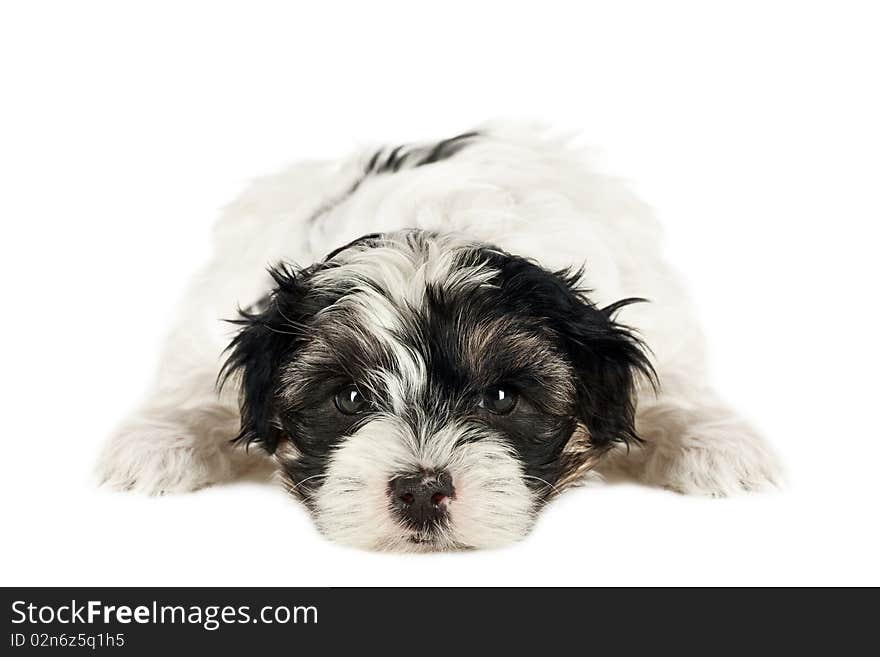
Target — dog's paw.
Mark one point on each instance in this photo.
(715, 461)
(157, 458)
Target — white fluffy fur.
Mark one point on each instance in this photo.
(517, 188)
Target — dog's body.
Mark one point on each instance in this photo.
(508, 187)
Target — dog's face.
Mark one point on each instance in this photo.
(420, 392)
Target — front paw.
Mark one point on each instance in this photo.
(157, 458)
(716, 462)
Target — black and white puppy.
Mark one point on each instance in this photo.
(474, 341)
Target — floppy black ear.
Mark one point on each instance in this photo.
(608, 357)
(267, 338)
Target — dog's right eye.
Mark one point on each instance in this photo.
(499, 400)
(350, 401)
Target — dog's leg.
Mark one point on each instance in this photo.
(174, 444)
(694, 444)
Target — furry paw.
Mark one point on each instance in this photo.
(714, 460)
(155, 458)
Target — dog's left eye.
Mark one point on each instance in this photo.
(500, 400)
(350, 401)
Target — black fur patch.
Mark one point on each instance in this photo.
(607, 356)
(415, 156)
(270, 335)
(403, 156)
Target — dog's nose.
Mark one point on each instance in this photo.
(421, 499)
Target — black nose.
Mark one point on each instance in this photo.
(421, 499)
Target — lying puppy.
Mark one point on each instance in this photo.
(448, 336)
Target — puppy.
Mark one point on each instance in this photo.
(448, 335)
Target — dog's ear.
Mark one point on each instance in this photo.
(607, 356)
(269, 335)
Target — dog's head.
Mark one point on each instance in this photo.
(422, 392)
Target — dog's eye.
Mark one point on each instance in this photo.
(350, 401)
(499, 399)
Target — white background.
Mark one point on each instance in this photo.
(752, 128)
